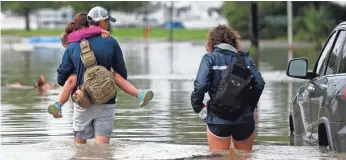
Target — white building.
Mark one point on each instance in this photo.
(201, 14)
(191, 14)
(53, 19)
(43, 18)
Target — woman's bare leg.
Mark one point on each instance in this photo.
(245, 145)
(217, 143)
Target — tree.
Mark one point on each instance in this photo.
(273, 20)
(313, 24)
(238, 16)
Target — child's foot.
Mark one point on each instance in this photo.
(144, 97)
(55, 110)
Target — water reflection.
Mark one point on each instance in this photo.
(167, 68)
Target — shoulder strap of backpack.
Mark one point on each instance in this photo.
(87, 55)
(241, 59)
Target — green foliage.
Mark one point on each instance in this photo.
(272, 19)
(272, 8)
(313, 21)
(238, 15)
(313, 25)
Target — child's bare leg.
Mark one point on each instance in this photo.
(55, 109)
(125, 85)
(67, 89)
(143, 96)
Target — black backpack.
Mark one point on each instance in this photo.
(232, 95)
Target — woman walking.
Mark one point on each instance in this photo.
(237, 126)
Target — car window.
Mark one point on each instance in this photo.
(335, 55)
(325, 52)
(342, 64)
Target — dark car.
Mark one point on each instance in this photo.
(318, 110)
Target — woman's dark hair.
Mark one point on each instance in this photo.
(79, 21)
(223, 34)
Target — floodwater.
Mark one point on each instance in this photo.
(167, 128)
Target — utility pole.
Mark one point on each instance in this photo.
(289, 29)
(290, 54)
(254, 32)
(146, 23)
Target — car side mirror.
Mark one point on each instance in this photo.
(298, 68)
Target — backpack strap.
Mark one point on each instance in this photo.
(241, 59)
(87, 55)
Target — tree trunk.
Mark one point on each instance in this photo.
(171, 22)
(27, 19)
(254, 31)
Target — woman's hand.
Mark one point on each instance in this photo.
(104, 33)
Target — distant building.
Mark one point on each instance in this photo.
(42, 18)
(53, 19)
(189, 14)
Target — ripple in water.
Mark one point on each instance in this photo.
(118, 149)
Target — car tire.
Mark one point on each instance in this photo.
(322, 135)
(291, 123)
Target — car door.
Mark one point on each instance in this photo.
(306, 94)
(323, 87)
(336, 109)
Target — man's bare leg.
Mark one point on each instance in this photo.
(102, 140)
(80, 141)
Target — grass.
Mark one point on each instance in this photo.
(126, 33)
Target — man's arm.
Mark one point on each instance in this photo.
(118, 63)
(65, 69)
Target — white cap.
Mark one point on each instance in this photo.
(98, 13)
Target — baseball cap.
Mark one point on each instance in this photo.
(98, 13)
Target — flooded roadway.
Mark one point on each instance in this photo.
(165, 129)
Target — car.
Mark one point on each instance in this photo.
(318, 109)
